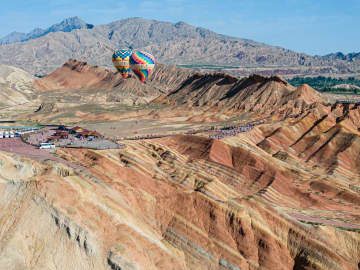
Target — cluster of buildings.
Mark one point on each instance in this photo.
(84, 133)
(78, 132)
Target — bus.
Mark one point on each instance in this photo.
(47, 146)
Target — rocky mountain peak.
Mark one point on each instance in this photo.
(180, 24)
(70, 24)
(67, 25)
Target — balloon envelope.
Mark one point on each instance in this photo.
(121, 61)
(141, 64)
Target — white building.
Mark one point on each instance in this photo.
(47, 146)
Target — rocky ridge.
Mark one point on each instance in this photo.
(254, 94)
(66, 25)
(172, 43)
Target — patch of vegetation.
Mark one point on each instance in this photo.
(311, 223)
(354, 188)
(338, 227)
(281, 155)
(341, 91)
(326, 84)
(199, 185)
(349, 229)
(207, 66)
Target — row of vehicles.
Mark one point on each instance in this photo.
(4, 134)
(12, 134)
(8, 134)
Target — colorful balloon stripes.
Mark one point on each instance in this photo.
(140, 62)
(121, 62)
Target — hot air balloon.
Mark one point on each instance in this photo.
(121, 60)
(141, 64)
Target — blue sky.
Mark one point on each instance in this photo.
(310, 26)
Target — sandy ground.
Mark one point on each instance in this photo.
(132, 128)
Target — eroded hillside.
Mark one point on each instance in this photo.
(96, 85)
(271, 179)
(256, 94)
(15, 86)
(177, 203)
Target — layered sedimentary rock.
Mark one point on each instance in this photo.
(283, 195)
(76, 75)
(176, 203)
(258, 94)
(15, 86)
(98, 85)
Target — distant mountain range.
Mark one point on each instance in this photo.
(346, 57)
(43, 51)
(66, 25)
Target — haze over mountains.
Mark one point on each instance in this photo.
(66, 25)
(43, 51)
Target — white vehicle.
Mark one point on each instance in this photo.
(12, 135)
(6, 134)
(1, 135)
(47, 146)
